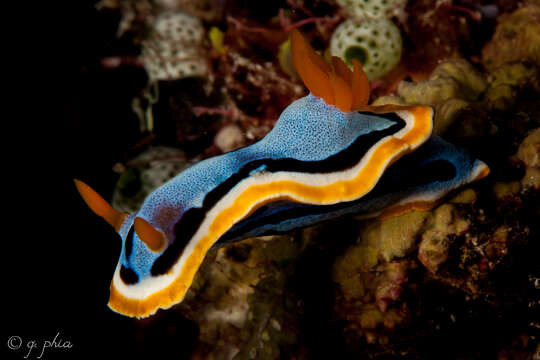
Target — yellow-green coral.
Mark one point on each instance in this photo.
(238, 300)
(502, 189)
(529, 154)
(447, 114)
(516, 38)
(371, 275)
(394, 237)
(454, 78)
(451, 87)
(433, 248)
(467, 196)
(506, 82)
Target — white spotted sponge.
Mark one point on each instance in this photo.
(173, 49)
(375, 43)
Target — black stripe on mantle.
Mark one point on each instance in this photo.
(439, 170)
(190, 221)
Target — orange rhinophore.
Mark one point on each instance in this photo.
(153, 238)
(99, 206)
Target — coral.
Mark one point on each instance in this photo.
(144, 173)
(173, 49)
(374, 9)
(240, 301)
(437, 31)
(365, 295)
(506, 189)
(378, 280)
(435, 242)
(371, 276)
(454, 78)
(394, 237)
(516, 38)
(448, 113)
(529, 154)
(388, 100)
(508, 81)
(529, 150)
(257, 92)
(376, 43)
(464, 249)
(467, 196)
(450, 89)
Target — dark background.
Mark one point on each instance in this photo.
(71, 119)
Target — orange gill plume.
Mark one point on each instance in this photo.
(347, 90)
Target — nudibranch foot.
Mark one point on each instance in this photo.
(416, 182)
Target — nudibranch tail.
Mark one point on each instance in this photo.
(99, 206)
(339, 87)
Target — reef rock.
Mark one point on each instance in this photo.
(516, 38)
(450, 89)
(446, 225)
(529, 154)
(454, 78)
(240, 302)
(371, 276)
(508, 81)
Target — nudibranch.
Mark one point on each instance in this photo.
(328, 155)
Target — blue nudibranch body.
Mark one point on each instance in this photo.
(328, 155)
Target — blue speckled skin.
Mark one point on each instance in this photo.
(387, 192)
(307, 130)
